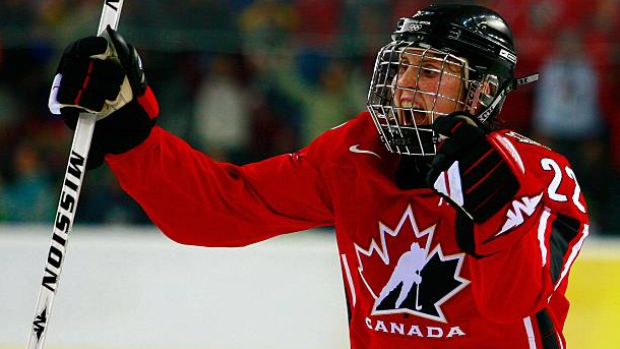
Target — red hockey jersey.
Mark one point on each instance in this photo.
(408, 283)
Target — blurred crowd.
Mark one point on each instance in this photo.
(243, 80)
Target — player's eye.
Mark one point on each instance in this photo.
(430, 71)
(403, 65)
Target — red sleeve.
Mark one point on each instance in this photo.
(197, 201)
(531, 244)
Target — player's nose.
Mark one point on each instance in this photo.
(408, 79)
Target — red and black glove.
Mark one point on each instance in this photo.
(468, 170)
(104, 76)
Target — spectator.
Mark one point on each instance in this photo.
(267, 25)
(567, 114)
(32, 31)
(222, 122)
(327, 95)
(319, 19)
(601, 43)
(107, 193)
(26, 197)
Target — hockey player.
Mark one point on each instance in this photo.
(495, 219)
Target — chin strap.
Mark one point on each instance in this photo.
(528, 79)
(506, 88)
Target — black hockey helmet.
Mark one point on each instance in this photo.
(473, 40)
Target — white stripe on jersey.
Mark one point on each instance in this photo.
(573, 255)
(542, 229)
(347, 272)
(531, 337)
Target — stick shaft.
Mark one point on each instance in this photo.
(69, 195)
(417, 297)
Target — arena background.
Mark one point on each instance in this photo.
(282, 71)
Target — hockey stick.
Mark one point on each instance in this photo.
(65, 214)
(417, 297)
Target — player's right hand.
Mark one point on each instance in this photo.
(468, 170)
(104, 76)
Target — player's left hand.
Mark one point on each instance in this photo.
(468, 170)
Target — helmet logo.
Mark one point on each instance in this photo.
(412, 25)
(415, 26)
(508, 56)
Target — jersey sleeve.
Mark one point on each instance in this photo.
(528, 247)
(195, 200)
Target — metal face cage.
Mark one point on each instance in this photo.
(411, 86)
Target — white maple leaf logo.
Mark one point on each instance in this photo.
(402, 285)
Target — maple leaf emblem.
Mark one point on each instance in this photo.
(415, 281)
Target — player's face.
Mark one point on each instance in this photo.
(427, 85)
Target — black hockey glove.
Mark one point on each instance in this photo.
(103, 76)
(468, 170)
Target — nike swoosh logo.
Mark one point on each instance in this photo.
(355, 149)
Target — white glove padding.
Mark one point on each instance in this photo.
(90, 78)
(468, 170)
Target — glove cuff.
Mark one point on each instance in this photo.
(125, 129)
(120, 132)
